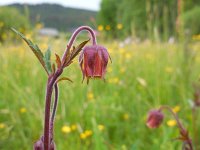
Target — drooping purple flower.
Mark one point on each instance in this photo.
(93, 62)
(154, 119)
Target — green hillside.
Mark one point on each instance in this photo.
(57, 16)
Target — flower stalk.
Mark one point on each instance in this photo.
(94, 57)
(48, 125)
(155, 118)
(50, 83)
(73, 38)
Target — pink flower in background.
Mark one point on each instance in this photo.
(155, 118)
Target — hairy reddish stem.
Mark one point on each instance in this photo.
(48, 125)
(174, 115)
(54, 108)
(180, 126)
(50, 84)
(47, 114)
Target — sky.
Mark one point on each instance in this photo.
(84, 4)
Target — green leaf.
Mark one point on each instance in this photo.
(35, 49)
(46, 58)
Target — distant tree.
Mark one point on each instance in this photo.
(56, 16)
(132, 13)
(108, 15)
(153, 19)
(10, 17)
(192, 20)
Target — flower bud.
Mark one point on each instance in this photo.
(39, 145)
(93, 62)
(155, 118)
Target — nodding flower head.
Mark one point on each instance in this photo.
(155, 118)
(93, 62)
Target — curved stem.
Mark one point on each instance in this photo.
(182, 129)
(48, 126)
(50, 84)
(73, 38)
(54, 108)
(175, 116)
(47, 114)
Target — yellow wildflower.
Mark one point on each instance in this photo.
(22, 110)
(2, 125)
(119, 26)
(196, 37)
(1, 24)
(29, 35)
(198, 59)
(128, 55)
(44, 46)
(176, 109)
(122, 51)
(114, 80)
(101, 127)
(169, 69)
(126, 116)
(21, 52)
(66, 129)
(83, 136)
(171, 123)
(110, 50)
(90, 96)
(73, 127)
(100, 28)
(109, 69)
(122, 70)
(108, 27)
(88, 133)
(39, 26)
(4, 36)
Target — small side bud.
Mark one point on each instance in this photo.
(39, 145)
(155, 118)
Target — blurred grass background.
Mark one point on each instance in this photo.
(147, 71)
(111, 115)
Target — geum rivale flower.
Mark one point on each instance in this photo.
(93, 61)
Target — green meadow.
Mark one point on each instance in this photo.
(108, 115)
